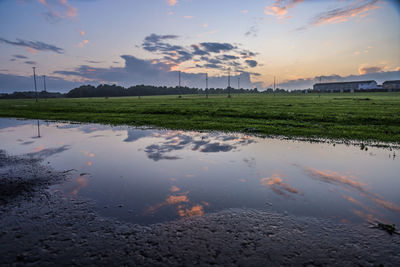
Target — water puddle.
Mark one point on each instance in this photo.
(147, 176)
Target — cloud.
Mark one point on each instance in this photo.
(277, 185)
(252, 31)
(280, 7)
(20, 56)
(251, 63)
(34, 45)
(172, 2)
(217, 47)
(188, 17)
(30, 62)
(193, 61)
(57, 10)
(367, 70)
(342, 14)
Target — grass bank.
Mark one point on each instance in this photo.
(367, 116)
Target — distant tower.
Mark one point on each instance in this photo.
(238, 83)
(34, 80)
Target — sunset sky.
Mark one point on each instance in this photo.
(129, 42)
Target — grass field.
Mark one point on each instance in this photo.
(367, 116)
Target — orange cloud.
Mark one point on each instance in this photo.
(277, 185)
(172, 2)
(280, 7)
(194, 211)
(334, 177)
(176, 199)
(82, 33)
(343, 14)
(174, 188)
(369, 69)
(81, 182)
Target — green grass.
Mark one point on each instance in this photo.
(368, 116)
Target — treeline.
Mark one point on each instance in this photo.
(105, 90)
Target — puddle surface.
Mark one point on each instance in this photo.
(149, 176)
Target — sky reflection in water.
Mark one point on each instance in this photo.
(147, 176)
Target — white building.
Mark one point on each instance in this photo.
(345, 86)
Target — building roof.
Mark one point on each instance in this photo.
(370, 81)
(394, 81)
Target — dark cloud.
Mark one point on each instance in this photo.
(20, 56)
(197, 51)
(136, 134)
(47, 152)
(30, 62)
(175, 53)
(216, 147)
(95, 62)
(251, 63)
(34, 45)
(228, 57)
(217, 47)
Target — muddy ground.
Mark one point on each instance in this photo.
(41, 228)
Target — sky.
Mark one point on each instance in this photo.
(130, 42)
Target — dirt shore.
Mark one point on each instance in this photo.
(41, 228)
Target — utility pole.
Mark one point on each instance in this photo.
(319, 91)
(206, 85)
(179, 84)
(34, 80)
(44, 86)
(229, 82)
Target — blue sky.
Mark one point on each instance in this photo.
(130, 42)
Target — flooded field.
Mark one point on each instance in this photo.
(147, 176)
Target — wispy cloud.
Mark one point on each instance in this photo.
(30, 62)
(280, 7)
(172, 2)
(337, 15)
(34, 45)
(20, 56)
(58, 9)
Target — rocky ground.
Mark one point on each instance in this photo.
(41, 228)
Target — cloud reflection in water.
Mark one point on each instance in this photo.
(277, 185)
(178, 140)
(350, 182)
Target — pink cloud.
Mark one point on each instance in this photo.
(172, 2)
(280, 7)
(358, 9)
